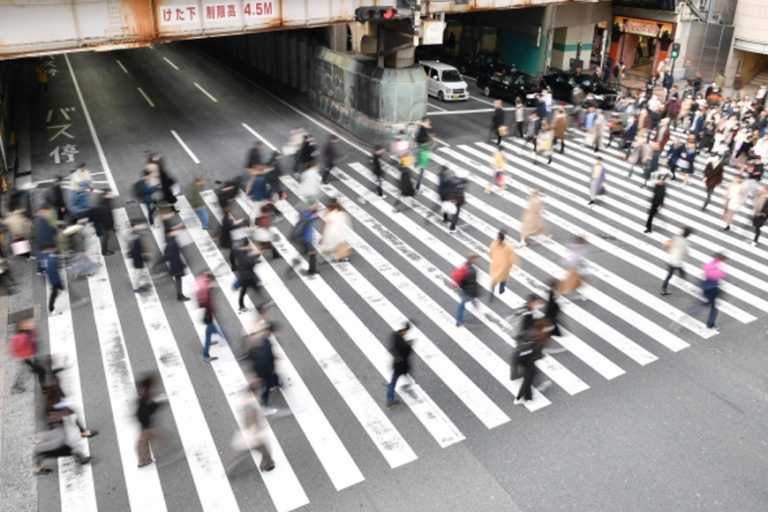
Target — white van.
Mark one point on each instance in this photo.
(445, 82)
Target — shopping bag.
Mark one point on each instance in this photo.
(503, 130)
(20, 247)
(449, 208)
(183, 238)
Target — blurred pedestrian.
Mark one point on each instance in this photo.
(305, 233)
(401, 352)
(331, 157)
(263, 360)
(176, 266)
(545, 142)
(311, 182)
(168, 184)
(503, 258)
(532, 129)
(54, 196)
(252, 435)
(45, 234)
(336, 232)
(533, 223)
(456, 188)
(274, 186)
(255, 155)
(734, 199)
(657, 202)
(51, 256)
(423, 152)
(145, 192)
(139, 253)
(72, 250)
(443, 186)
(465, 278)
(597, 181)
(678, 250)
(641, 150)
(714, 272)
(22, 345)
(196, 201)
(256, 190)
(406, 184)
(599, 128)
(228, 225)
(574, 265)
(530, 351)
(247, 255)
(520, 118)
(52, 443)
(498, 166)
(205, 299)
(498, 127)
(148, 405)
(104, 221)
(561, 127)
(378, 171)
(713, 177)
(760, 212)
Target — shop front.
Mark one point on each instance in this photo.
(641, 44)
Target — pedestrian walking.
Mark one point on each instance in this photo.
(759, 213)
(674, 153)
(465, 278)
(331, 156)
(54, 196)
(262, 232)
(274, 185)
(498, 167)
(45, 234)
(168, 185)
(498, 127)
(713, 177)
(51, 256)
(443, 186)
(263, 361)
(401, 352)
(533, 223)
(205, 299)
(23, 347)
(754, 173)
(252, 436)
(530, 351)
(456, 189)
(255, 155)
(520, 118)
(406, 185)
(685, 162)
(256, 190)
(311, 181)
(532, 129)
(677, 247)
(146, 408)
(57, 402)
(423, 153)
(378, 171)
(228, 225)
(72, 250)
(305, 233)
(104, 221)
(714, 272)
(657, 202)
(336, 232)
(247, 256)
(561, 126)
(640, 152)
(552, 313)
(176, 266)
(545, 141)
(196, 201)
(599, 130)
(574, 265)
(597, 181)
(140, 254)
(503, 258)
(145, 191)
(734, 199)
(52, 442)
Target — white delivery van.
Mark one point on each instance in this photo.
(445, 82)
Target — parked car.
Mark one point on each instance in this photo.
(445, 82)
(561, 84)
(479, 63)
(510, 86)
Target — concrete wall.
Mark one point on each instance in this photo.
(574, 24)
(751, 20)
(372, 103)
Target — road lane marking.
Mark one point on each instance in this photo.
(184, 145)
(146, 97)
(64, 113)
(142, 485)
(171, 63)
(470, 111)
(122, 67)
(206, 93)
(96, 142)
(328, 447)
(75, 481)
(48, 118)
(435, 106)
(262, 139)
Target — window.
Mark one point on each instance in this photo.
(433, 74)
(451, 75)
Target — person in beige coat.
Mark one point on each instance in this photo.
(561, 126)
(503, 258)
(533, 224)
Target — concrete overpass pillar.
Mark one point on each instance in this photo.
(337, 38)
(293, 61)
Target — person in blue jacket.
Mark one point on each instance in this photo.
(674, 153)
(147, 191)
(54, 278)
(307, 238)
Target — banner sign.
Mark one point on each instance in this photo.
(642, 27)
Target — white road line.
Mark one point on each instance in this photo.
(670, 214)
(615, 307)
(562, 376)
(431, 416)
(205, 465)
(368, 412)
(453, 378)
(262, 139)
(49, 116)
(122, 67)
(728, 288)
(146, 97)
(457, 112)
(440, 141)
(579, 348)
(143, 485)
(75, 481)
(435, 106)
(184, 146)
(283, 486)
(206, 93)
(64, 113)
(99, 149)
(171, 63)
(482, 101)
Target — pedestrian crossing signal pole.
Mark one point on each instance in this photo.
(675, 54)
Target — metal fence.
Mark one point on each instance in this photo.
(708, 47)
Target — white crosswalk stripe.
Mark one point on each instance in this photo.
(623, 327)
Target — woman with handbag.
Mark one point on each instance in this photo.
(533, 223)
(546, 138)
(573, 266)
(597, 181)
(497, 166)
(336, 232)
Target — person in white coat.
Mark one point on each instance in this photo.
(311, 182)
(338, 227)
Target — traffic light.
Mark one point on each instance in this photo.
(375, 13)
(675, 50)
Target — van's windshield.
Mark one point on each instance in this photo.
(451, 75)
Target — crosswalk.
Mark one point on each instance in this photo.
(333, 353)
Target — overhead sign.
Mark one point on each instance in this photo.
(432, 31)
(211, 12)
(642, 27)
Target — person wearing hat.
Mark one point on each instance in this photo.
(401, 352)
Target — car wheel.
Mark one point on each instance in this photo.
(440, 96)
(487, 91)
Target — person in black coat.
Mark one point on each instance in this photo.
(45, 235)
(247, 257)
(469, 288)
(166, 182)
(456, 189)
(139, 253)
(406, 186)
(659, 192)
(228, 223)
(263, 362)
(498, 120)
(331, 155)
(56, 198)
(401, 352)
(377, 169)
(254, 155)
(176, 266)
(105, 221)
(530, 351)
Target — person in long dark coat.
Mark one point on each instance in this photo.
(713, 177)
(176, 266)
(657, 203)
(401, 351)
(105, 221)
(406, 186)
(166, 183)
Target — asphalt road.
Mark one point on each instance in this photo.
(672, 420)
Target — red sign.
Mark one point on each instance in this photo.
(258, 9)
(176, 14)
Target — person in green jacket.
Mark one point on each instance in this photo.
(196, 201)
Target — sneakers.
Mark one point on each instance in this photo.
(459, 324)
(271, 411)
(141, 289)
(143, 464)
(54, 313)
(519, 401)
(753, 243)
(393, 403)
(243, 310)
(182, 298)
(209, 359)
(664, 292)
(107, 253)
(452, 231)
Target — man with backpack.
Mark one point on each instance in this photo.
(530, 351)
(205, 300)
(465, 277)
(303, 232)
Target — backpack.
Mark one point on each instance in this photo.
(297, 233)
(459, 274)
(22, 346)
(138, 190)
(203, 290)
